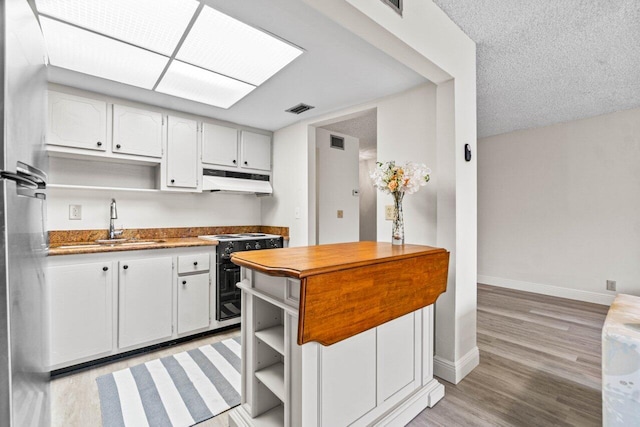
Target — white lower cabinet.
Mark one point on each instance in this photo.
(349, 370)
(193, 302)
(103, 304)
(398, 356)
(144, 309)
(81, 311)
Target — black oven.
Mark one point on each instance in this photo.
(228, 295)
(229, 301)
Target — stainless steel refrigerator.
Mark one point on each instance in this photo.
(24, 379)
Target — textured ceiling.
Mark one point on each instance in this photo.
(548, 61)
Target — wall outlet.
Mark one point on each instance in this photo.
(388, 212)
(75, 211)
(611, 285)
(340, 213)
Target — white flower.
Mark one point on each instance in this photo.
(389, 178)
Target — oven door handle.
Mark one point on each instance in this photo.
(233, 269)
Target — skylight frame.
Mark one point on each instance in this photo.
(233, 82)
(90, 53)
(211, 37)
(155, 25)
(174, 83)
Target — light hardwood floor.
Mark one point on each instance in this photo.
(539, 366)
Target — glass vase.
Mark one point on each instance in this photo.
(397, 228)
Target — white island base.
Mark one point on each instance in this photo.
(382, 377)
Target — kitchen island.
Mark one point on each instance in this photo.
(340, 334)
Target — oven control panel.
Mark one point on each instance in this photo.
(225, 249)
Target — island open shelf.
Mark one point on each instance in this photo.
(339, 334)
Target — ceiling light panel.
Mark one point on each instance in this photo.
(156, 25)
(186, 81)
(83, 51)
(227, 46)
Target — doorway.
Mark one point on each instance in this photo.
(346, 153)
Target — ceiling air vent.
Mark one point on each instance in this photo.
(299, 109)
(395, 5)
(337, 142)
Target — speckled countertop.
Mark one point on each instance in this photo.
(75, 242)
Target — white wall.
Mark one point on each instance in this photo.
(337, 176)
(289, 204)
(151, 210)
(559, 208)
(368, 202)
(407, 132)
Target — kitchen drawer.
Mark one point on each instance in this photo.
(193, 263)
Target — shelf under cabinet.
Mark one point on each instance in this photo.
(273, 378)
(92, 187)
(272, 418)
(273, 337)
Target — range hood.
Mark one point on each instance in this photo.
(236, 182)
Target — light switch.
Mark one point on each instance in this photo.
(75, 211)
(340, 214)
(297, 213)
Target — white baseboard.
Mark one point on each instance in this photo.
(454, 372)
(554, 291)
(426, 397)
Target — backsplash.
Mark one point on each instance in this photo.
(150, 209)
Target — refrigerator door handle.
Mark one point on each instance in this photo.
(19, 180)
(28, 179)
(32, 173)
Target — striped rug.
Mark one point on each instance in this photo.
(179, 390)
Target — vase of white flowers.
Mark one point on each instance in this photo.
(398, 180)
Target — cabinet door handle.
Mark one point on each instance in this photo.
(195, 262)
(173, 180)
(117, 145)
(234, 162)
(99, 144)
(184, 282)
(125, 266)
(105, 268)
(246, 163)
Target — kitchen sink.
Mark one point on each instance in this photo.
(128, 242)
(112, 242)
(78, 246)
(141, 242)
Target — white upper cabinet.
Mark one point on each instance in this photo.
(256, 151)
(182, 153)
(219, 145)
(77, 122)
(137, 132)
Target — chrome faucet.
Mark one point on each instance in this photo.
(113, 233)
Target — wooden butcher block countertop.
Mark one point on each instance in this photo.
(348, 288)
